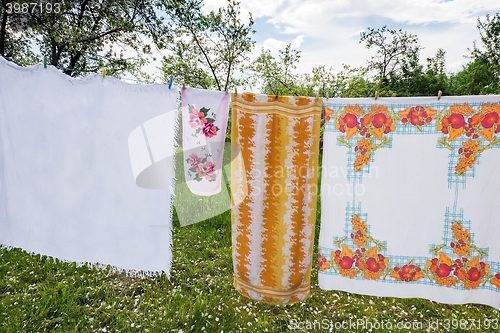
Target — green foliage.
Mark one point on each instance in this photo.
(483, 72)
(14, 38)
(206, 50)
(277, 76)
(394, 71)
(354, 82)
(490, 38)
(417, 81)
(396, 66)
(396, 56)
(84, 35)
(477, 77)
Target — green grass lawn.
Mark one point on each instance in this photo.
(39, 294)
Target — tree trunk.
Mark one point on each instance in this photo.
(3, 30)
(472, 84)
(72, 63)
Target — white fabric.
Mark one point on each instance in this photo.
(204, 123)
(69, 152)
(152, 152)
(408, 196)
(192, 208)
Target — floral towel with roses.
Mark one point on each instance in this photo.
(204, 123)
(410, 198)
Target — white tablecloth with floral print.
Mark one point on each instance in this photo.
(409, 197)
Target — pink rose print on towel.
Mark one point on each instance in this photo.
(206, 170)
(201, 168)
(196, 119)
(202, 121)
(209, 130)
(194, 160)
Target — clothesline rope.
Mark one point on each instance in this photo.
(69, 69)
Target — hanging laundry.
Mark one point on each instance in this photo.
(204, 123)
(67, 182)
(409, 198)
(273, 226)
(192, 208)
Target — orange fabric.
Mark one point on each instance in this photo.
(273, 227)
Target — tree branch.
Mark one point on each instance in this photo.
(85, 40)
(204, 54)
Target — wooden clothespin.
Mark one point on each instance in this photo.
(44, 61)
(439, 94)
(183, 85)
(170, 84)
(277, 92)
(104, 72)
(317, 95)
(376, 95)
(235, 92)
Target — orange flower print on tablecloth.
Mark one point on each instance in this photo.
(439, 270)
(471, 273)
(463, 240)
(463, 109)
(377, 122)
(371, 125)
(328, 113)
(496, 281)
(442, 270)
(360, 231)
(417, 116)
(408, 272)
(461, 119)
(353, 109)
(470, 155)
(322, 264)
(347, 122)
(364, 153)
(456, 120)
(342, 260)
(354, 120)
(369, 263)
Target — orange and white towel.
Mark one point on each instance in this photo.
(273, 225)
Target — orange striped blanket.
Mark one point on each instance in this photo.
(273, 224)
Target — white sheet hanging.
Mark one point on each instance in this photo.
(67, 186)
